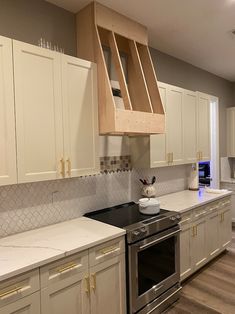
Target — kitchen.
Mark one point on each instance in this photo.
(64, 157)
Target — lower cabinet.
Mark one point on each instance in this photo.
(201, 239)
(27, 305)
(198, 244)
(67, 296)
(107, 285)
(89, 282)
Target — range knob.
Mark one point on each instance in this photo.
(136, 233)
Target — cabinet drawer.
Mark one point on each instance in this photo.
(186, 218)
(200, 212)
(64, 268)
(224, 203)
(18, 287)
(106, 251)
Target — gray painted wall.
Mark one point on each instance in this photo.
(29, 20)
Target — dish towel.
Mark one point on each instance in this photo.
(215, 191)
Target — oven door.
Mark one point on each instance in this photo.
(153, 267)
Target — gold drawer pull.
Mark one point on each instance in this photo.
(193, 232)
(62, 167)
(4, 294)
(87, 285)
(182, 221)
(69, 167)
(213, 208)
(202, 213)
(93, 282)
(225, 203)
(109, 250)
(66, 268)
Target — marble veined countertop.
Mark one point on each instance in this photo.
(186, 200)
(28, 250)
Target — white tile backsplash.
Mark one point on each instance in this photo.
(32, 205)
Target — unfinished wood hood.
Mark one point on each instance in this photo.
(100, 28)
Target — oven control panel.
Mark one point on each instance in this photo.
(138, 233)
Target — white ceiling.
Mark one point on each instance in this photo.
(196, 31)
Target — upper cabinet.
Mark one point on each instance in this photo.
(38, 104)
(8, 173)
(190, 126)
(101, 29)
(187, 137)
(55, 112)
(174, 125)
(231, 132)
(203, 126)
(80, 108)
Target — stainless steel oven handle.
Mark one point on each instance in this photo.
(156, 288)
(158, 240)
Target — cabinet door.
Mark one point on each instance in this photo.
(174, 123)
(225, 227)
(38, 112)
(203, 126)
(212, 234)
(66, 296)
(190, 126)
(185, 251)
(80, 116)
(158, 151)
(199, 246)
(231, 132)
(27, 305)
(108, 287)
(8, 174)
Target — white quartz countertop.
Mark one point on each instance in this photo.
(28, 250)
(186, 200)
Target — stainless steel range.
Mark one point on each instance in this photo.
(152, 246)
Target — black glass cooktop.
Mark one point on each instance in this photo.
(123, 215)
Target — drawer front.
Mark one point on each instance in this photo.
(18, 287)
(212, 207)
(200, 212)
(225, 203)
(64, 268)
(106, 251)
(186, 218)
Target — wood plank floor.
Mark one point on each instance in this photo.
(212, 290)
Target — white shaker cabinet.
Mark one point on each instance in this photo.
(203, 126)
(108, 286)
(56, 114)
(80, 116)
(38, 112)
(27, 305)
(231, 132)
(158, 149)
(190, 126)
(174, 125)
(8, 172)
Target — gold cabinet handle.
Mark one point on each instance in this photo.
(221, 217)
(193, 232)
(201, 156)
(168, 158)
(87, 285)
(172, 157)
(110, 249)
(93, 282)
(198, 156)
(66, 268)
(69, 167)
(4, 294)
(62, 167)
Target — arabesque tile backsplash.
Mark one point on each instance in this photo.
(32, 205)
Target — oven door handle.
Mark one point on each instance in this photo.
(141, 247)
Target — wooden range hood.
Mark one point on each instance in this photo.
(143, 112)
